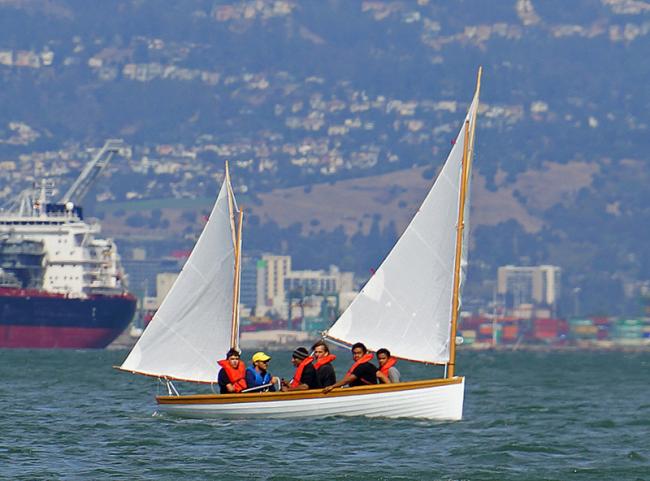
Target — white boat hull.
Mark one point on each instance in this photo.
(440, 399)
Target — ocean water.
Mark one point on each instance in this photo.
(539, 416)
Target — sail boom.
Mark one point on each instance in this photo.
(166, 377)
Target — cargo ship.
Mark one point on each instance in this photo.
(61, 285)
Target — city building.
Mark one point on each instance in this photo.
(536, 286)
(164, 282)
(142, 274)
(271, 272)
(277, 285)
(248, 286)
(310, 299)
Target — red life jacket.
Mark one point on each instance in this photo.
(389, 363)
(365, 358)
(295, 382)
(324, 360)
(237, 377)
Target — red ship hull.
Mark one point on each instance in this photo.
(31, 318)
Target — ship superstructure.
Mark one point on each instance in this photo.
(61, 285)
(74, 261)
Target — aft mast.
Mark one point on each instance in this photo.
(468, 150)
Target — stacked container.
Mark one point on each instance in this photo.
(626, 330)
(583, 330)
(469, 336)
(547, 330)
(510, 332)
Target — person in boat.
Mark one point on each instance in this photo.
(232, 376)
(362, 372)
(387, 366)
(323, 364)
(258, 375)
(305, 375)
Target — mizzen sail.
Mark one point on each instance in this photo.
(406, 305)
(192, 327)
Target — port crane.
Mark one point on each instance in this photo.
(36, 197)
(92, 170)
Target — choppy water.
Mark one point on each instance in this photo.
(578, 416)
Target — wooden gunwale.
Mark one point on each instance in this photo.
(308, 394)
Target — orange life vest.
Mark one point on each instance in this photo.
(365, 358)
(237, 377)
(324, 360)
(295, 382)
(389, 363)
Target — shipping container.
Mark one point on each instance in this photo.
(510, 332)
(545, 334)
(601, 321)
(546, 324)
(628, 329)
(582, 329)
(469, 336)
(646, 331)
(580, 322)
(485, 329)
(473, 322)
(468, 333)
(603, 332)
(546, 329)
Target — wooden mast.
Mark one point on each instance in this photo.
(459, 248)
(234, 333)
(468, 143)
(231, 207)
(236, 242)
(470, 157)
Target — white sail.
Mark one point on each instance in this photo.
(464, 261)
(191, 329)
(406, 305)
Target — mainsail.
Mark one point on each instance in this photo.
(192, 327)
(406, 306)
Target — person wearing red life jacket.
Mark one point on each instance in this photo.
(232, 376)
(305, 375)
(387, 366)
(323, 364)
(362, 372)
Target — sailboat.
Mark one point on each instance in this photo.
(410, 306)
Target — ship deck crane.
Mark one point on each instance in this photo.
(82, 185)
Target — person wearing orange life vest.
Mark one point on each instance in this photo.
(323, 364)
(232, 376)
(362, 372)
(387, 366)
(305, 375)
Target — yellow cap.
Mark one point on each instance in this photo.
(260, 356)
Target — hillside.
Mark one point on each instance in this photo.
(336, 115)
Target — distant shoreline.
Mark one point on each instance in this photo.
(643, 346)
(282, 340)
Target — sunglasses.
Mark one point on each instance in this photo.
(265, 362)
